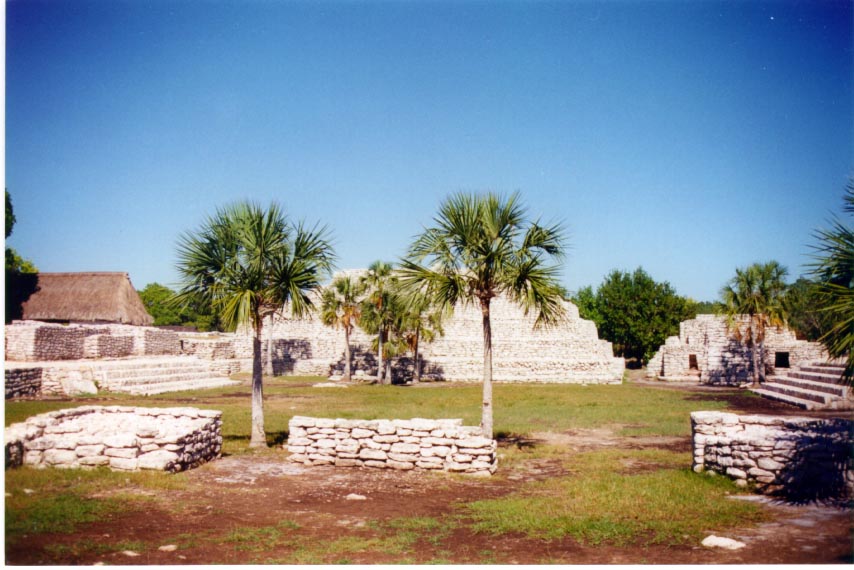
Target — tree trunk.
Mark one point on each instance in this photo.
(754, 352)
(762, 359)
(268, 362)
(257, 436)
(387, 377)
(486, 419)
(416, 372)
(347, 355)
(380, 358)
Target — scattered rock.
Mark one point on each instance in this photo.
(28, 491)
(355, 497)
(130, 553)
(168, 548)
(713, 541)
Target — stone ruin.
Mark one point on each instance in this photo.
(121, 438)
(707, 350)
(44, 359)
(420, 444)
(568, 353)
(799, 459)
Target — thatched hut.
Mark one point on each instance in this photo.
(85, 297)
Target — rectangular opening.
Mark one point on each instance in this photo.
(781, 360)
(692, 362)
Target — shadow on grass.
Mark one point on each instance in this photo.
(508, 439)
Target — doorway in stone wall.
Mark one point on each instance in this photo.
(781, 360)
(693, 365)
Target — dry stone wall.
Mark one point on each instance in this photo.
(568, 353)
(801, 459)
(708, 350)
(121, 438)
(442, 445)
(23, 382)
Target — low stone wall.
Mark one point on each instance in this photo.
(122, 438)
(445, 445)
(800, 459)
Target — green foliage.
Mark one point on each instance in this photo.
(634, 312)
(10, 215)
(14, 262)
(159, 301)
(803, 300)
(708, 307)
(833, 268)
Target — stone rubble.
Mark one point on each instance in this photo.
(119, 437)
(420, 444)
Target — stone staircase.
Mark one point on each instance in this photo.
(813, 386)
(155, 375)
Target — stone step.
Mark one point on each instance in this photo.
(802, 393)
(143, 372)
(175, 386)
(810, 374)
(806, 384)
(786, 398)
(157, 378)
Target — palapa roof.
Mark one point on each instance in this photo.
(82, 297)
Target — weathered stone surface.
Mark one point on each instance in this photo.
(405, 448)
(373, 454)
(722, 542)
(158, 460)
(400, 465)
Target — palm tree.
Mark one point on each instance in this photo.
(377, 312)
(341, 306)
(246, 263)
(834, 270)
(480, 247)
(419, 321)
(758, 292)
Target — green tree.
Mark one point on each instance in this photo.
(803, 301)
(341, 306)
(10, 215)
(159, 301)
(417, 320)
(708, 307)
(482, 246)
(833, 268)
(587, 302)
(756, 292)
(247, 263)
(636, 313)
(14, 262)
(378, 311)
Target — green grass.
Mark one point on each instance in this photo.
(619, 497)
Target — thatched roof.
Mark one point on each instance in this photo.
(86, 297)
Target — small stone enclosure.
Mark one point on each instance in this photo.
(444, 445)
(799, 459)
(119, 437)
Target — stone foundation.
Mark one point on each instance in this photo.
(441, 445)
(121, 438)
(800, 459)
(23, 382)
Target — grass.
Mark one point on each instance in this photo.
(614, 496)
(618, 497)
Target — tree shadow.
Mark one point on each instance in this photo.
(286, 352)
(819, 469)
(736, 365)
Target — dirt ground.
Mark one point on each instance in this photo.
(257, 491)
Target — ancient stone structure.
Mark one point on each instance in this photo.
(709, 351)
(122, 438)
(801, 459)
(44, 359)
(445, 445)
(568, 353)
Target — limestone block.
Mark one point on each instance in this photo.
(33, 457)
(375, 464)
(296, 431)
(299, 458)
(147, 432)
(406, 448)
(59, 456)
(299, 441)
(359, 433)
(386, 438)
(158, 460)
(372, 454)
(347, 455)
(475, 442)
(89, 450)
(94, 460)
(123, 464)
(386, 428)
(351, 448)
(482, 465)
(321, 459)
(435, 451)
(370, 444)
(120, 440)
(400, 465)
(426, 465)
(345, 462)
(299, 449)
(457, 467)
(462, 458)
(326, 443)
(341, 423)
(756, 472)
(438, 441)
(736, 473)
(125, 452)
(769, 464)
(406, 457)
(411, 439)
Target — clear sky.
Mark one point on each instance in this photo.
(687, 137)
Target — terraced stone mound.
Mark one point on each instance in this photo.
(119, 437)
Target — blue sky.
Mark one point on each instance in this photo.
(689, 138)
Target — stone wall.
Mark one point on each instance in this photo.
(122, 438)
(33, 341)
(710, 351)
(800, 459)
(568, 353)
(23, 382)
(444, 445)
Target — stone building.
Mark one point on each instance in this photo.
(107, 297)
(571, 352)
(709, 350)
